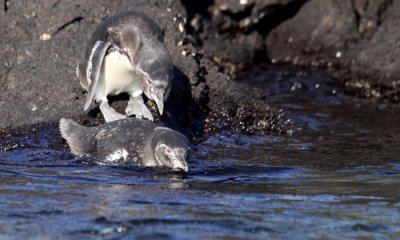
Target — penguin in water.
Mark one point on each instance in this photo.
(128, 141)
(127, 54)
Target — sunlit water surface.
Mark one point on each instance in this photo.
(336, 176)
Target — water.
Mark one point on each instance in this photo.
(336, 176)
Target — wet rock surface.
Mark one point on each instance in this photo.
(356, 41)
(241, 25)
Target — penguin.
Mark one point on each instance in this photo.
(127, 54)
(128, 141)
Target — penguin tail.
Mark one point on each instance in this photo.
(74, 133)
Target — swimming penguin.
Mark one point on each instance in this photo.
(128, 141)
(127, 54)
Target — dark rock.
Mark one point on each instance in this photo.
(43, 42)
(241, 25)
(357, 41)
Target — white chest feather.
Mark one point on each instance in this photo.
(120, 154)
(118, 76)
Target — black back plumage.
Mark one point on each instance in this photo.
(130, 134)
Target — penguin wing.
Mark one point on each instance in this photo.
(93, 68)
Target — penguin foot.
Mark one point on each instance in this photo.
(137, 107)
(109, 113)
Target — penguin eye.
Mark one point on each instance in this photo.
(168, 150)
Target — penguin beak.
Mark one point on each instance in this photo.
(179, 161)
(158, 98)
(178, 165)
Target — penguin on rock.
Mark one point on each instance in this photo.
(127, 54)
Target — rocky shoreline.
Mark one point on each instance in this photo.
(211, 43)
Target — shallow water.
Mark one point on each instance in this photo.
(336, 176)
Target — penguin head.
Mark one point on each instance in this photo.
(170, 149)
(157, 92)
(158, 84)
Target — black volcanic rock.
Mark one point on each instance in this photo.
(356, 41)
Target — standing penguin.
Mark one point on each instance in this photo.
(126, 53)
(129, 141)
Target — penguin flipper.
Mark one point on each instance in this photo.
(93, 68)
(76, 136)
